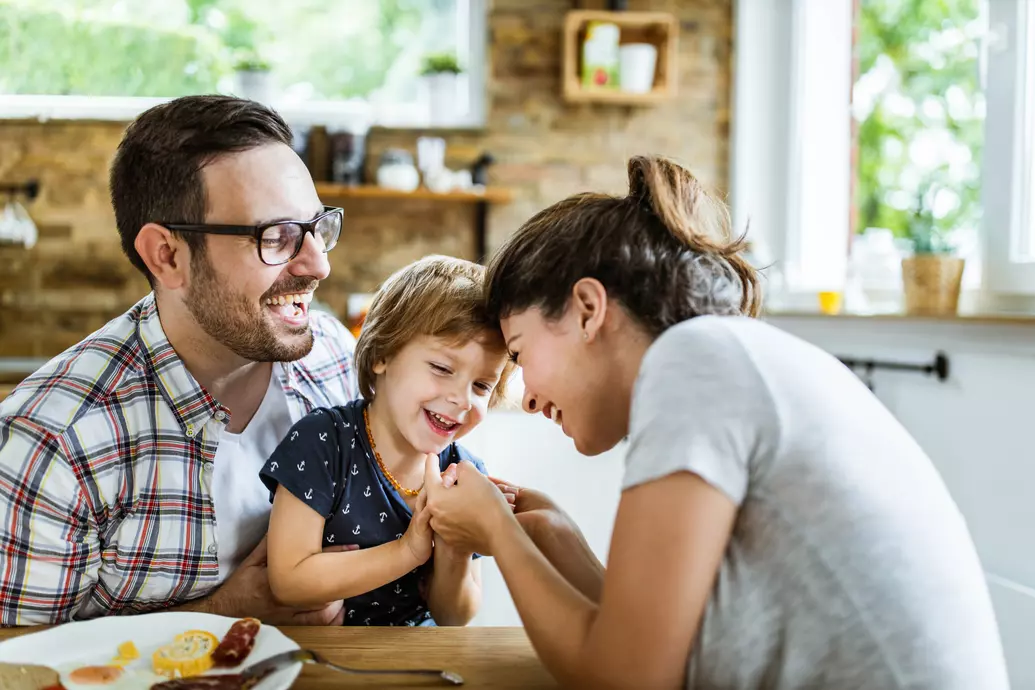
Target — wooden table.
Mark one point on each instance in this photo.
(485, 657)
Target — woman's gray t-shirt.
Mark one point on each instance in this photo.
(849, 565)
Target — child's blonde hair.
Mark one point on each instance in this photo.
(437, 296)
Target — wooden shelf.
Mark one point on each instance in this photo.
(660, 29)
(492, 195)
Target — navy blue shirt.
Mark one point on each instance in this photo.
(326, 461)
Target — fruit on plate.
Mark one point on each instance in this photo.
(126, 653)
(190, 654)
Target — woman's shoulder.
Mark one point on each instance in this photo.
(725, 344)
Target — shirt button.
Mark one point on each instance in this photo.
(212, 549)
(220, 415)
(190, 431)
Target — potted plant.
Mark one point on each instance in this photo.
(932, 276)
(253, 78)
(439, 74)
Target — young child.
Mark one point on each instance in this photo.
(429, 366)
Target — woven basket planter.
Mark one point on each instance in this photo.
(932, 284)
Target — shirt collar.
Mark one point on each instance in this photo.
(192, 403)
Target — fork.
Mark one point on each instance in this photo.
(308, 656)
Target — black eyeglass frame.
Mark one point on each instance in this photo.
(255, 231)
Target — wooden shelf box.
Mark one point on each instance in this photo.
(660, 29)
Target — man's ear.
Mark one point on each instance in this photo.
(589, 301)
(164, 254)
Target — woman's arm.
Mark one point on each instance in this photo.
(559, 538)
(668, 542)
(455, 589)
(301, 574)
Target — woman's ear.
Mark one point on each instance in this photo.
(589, 302)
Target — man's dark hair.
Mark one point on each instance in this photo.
(156, 174)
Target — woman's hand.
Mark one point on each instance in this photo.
(536, 512)
(467, 509)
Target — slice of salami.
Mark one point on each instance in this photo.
(237, 644)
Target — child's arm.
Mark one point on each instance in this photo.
(455, 588)
(301, 574)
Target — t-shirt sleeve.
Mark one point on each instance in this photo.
(464, 454)
(304, 460)
(699, 405)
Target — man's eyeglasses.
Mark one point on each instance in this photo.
(279, 242)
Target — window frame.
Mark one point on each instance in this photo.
(1007, 168)
(352, 114)
(766, 187)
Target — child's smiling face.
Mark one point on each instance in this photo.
(435, 391)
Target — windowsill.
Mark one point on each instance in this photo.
(354, 115)
(986, 318)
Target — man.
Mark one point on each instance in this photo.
(129, 463)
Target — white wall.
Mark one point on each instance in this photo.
(978, 428)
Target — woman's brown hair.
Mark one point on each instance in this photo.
(664, 251)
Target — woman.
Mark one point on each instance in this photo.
(777, 527)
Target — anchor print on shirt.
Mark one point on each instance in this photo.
(399, 536)
(355, 470)
(347, 425)
(353, 441)
(382, 515)
(345, 510)
(309, 495)
(367, 621)
(398, 590)
(294, 435)
(367, 492)
(274, 466)
(356, 531)
(330, 539)
(351, 613)
(323, 435)
(301, 466)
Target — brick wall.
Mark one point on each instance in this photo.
(76, 277)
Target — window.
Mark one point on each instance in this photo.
(849, 113)
(1009, 192)
(326, 60)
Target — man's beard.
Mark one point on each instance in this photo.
(238, 323)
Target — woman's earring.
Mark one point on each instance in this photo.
(585, 335)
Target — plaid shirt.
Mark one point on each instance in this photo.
(106, 459)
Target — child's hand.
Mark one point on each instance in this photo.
(418, 535)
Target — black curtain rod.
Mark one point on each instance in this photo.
(939, 367)
(30, 190)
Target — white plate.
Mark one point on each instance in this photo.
(95, 642)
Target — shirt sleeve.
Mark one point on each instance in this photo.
(304, 461)
(48, 537)
(458, 454)
(699, 405)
